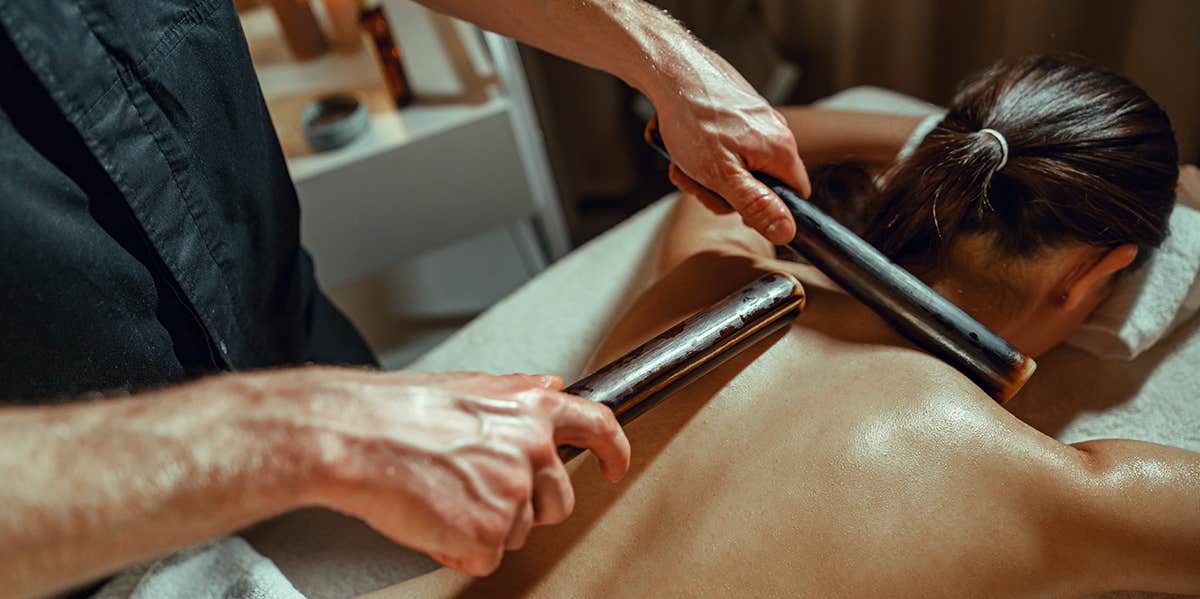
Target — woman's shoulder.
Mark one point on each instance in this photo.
(934, 399)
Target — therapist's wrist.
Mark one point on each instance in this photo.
(315, 423)
(658, 54)
(278, 435)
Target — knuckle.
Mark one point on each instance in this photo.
(758, 206)
(542, 450)
(511, 461)
(516, 491)
(605, 423)
(565, 501)
(491, 532)
(489, 564)
(549, 402)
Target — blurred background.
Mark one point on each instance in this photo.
(501, 159)
(795, 51)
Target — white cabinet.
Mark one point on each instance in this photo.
(429, 191)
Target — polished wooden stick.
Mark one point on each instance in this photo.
(640, 379)
(904, 301)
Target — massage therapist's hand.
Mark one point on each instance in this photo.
(457, 465)
(718, 129)
(715, 125)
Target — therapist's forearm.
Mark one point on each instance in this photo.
(718, 129)
(631, 39)
(91, 487)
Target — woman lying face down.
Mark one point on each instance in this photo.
(1043, 182)
(834, 459)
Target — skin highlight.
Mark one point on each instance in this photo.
(837, 460)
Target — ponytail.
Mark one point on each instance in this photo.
(1032, 154)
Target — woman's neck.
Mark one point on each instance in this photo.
(834, 313)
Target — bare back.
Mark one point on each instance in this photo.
(830, 459)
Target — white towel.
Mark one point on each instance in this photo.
(222, 569)
(1152, 301)
(923, 128)
(1148, 303)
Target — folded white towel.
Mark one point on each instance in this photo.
(219, 569)
(923, 128)
(1152, 301)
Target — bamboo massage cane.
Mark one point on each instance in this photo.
(640, 379)
(647, 375)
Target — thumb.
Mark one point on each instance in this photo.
(760, 208)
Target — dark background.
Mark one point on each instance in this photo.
(796, 51)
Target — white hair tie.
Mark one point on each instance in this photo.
(1003, 146)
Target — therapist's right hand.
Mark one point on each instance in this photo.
(461, 465)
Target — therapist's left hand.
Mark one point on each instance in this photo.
(718, 129)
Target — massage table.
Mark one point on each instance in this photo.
(553, 324)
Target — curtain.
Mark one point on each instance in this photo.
(924, 47)
(918, 47)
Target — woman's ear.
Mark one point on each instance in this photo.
(1092, 278)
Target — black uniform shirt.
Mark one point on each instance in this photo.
(148, 226)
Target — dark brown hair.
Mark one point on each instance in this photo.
(1091, 159)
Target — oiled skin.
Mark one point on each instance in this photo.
(834, 459)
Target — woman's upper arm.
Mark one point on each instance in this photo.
(694, 229)
(1139, 510)
(824, 136)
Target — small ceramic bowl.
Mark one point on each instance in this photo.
(333, 121)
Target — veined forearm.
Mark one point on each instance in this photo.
(443, 463)
(631, 39)
(716, 126)
(92, 487)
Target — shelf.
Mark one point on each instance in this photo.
(447, 68)
(464, 161)
(391, 130)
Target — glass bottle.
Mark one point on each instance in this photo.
(387, 52)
